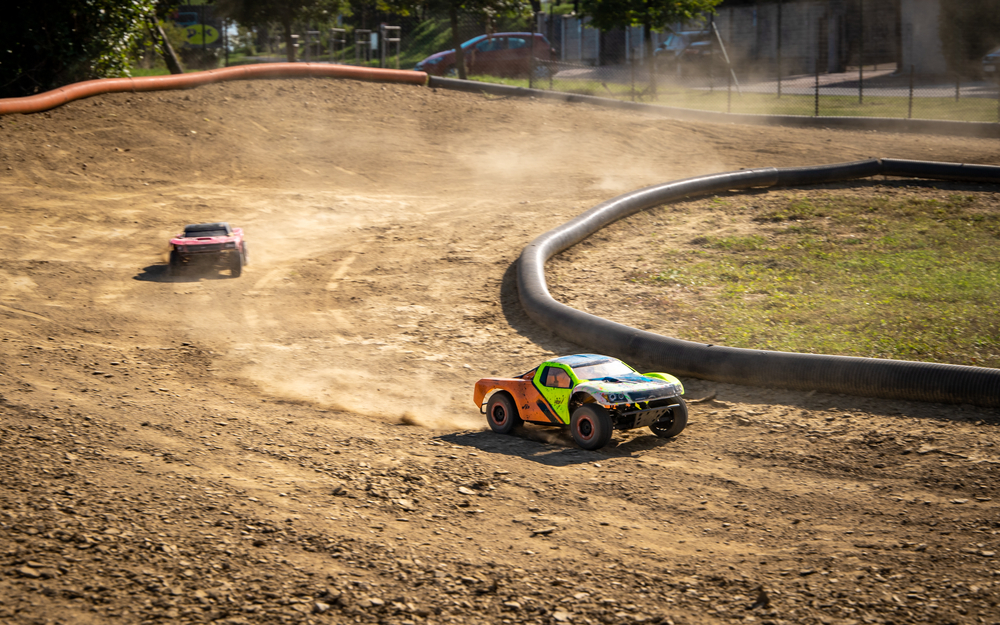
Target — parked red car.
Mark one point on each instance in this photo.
(499, 54)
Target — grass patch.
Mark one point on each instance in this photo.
(719, 100)
(883, 277)
(943, 108)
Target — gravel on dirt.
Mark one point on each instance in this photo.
(300, 445)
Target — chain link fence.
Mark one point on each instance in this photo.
(863, 58)
(778, 59)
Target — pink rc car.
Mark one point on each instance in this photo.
(208, 246)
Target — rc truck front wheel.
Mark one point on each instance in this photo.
(671, 426)
(501, 413)
(591, 426)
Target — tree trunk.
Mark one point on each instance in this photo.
(286, 26)
(459, 55)
(166, 50)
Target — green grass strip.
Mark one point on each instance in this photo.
(911, 279)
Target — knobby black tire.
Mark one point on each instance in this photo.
(236, 264)
(174, 267)
(591, 426)
(501, 413)
(676, 424)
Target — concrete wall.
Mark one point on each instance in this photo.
(921, 43)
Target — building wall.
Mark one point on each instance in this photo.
(751, 36)
(579, 42)
(829, 34)
(833, 33)
(921, 43)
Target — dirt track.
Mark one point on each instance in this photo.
(300, 444)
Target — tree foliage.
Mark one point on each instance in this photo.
(44, 45)
(968, 29)
(653, 14)
(286, 13)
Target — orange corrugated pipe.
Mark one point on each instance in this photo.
(80, 90)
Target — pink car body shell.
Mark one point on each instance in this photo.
(209, 245)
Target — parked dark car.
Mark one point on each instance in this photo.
(499, 54)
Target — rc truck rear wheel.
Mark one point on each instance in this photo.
(174, 268)
(236, 264)
(501, 413)
(670, 427)
(591, 426)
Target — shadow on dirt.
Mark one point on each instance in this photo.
(159, 273)
(552, 447)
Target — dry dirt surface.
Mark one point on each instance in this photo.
(300, 444)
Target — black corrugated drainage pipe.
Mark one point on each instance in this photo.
(872, 377)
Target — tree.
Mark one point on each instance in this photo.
(50, 44)
(968, 30)
(650, 14)
(258, 13)
(162, 44)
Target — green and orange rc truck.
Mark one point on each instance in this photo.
(591, 394)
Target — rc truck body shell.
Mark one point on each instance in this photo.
(551, 393)
(207, 246)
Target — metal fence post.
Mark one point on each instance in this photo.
(958, 85)
(387, 36)
(729, 92)
(909, 113)
(632, 73)
(816, 89)
(780, 3)
(861, 54)
(531, 51)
